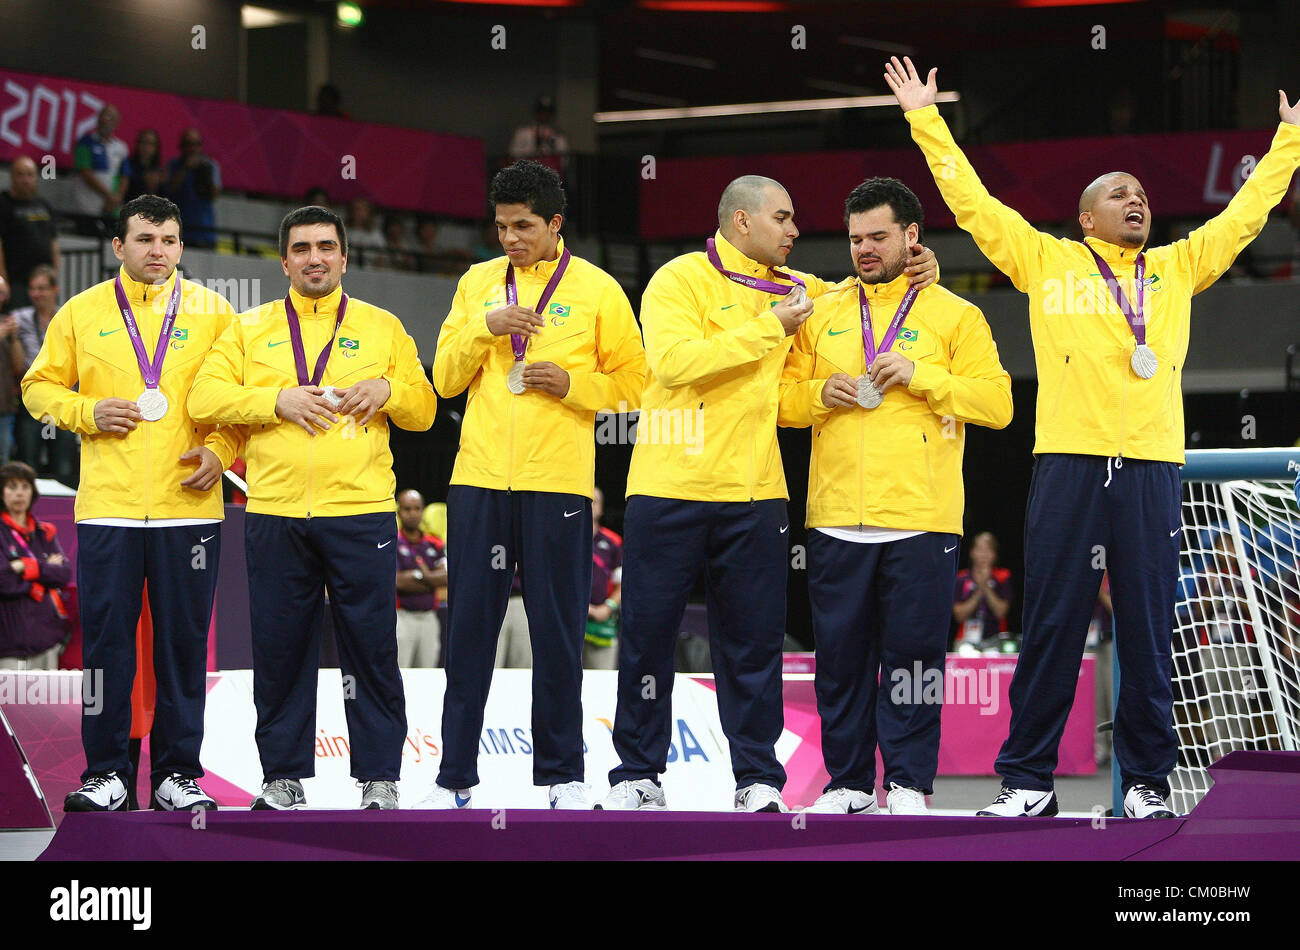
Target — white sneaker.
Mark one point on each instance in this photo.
(570, 796)
(1021, 803)
(1143, 801)
(634, 795)
(754, 798)
(180, 793)
(905, 801)
(104, 792)
(845, 801)
(445, 798)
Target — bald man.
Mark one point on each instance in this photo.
(421, 570)
(1110, 321)
(706, 492)
(27, 234)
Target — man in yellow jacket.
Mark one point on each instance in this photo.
(543, 341)
(116, 366)
(707, 491)
(888, 378)
(1110, 322)
(316, 378)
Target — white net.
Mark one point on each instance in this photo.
(1236, 646)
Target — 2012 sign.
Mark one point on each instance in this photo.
(50, 117)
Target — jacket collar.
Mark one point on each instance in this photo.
(316, 307)
(733, 260)
(139, 292)
(891, 290)
(544, 269)
(1112, 253)
(27, 529)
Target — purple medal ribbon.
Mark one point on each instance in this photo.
(299, 354)
(150, 370)
(1135, 320)
(757, 283)
(517, 342)
(891, 334)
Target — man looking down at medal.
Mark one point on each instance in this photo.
(543, 340)
(888, 377)
(317, 377)
(1110, 321)
(116, 365)
(706, 491)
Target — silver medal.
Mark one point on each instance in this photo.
(331, 396)
(869, 397)
(796, 297)
(153, 404)
(515, 379)
(1144, 361)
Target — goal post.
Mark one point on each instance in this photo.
(1236, 636)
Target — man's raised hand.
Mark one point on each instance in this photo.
(792, 316)
(908, 89)
(513, 319)
(1290, 114)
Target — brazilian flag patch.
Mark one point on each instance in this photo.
(559, 309)
(180, 333)
(348, 344)
(908, 334)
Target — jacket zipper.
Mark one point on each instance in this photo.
(862, 466)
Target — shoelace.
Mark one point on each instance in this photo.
(279, 785)
(1149, 796)
(187, 785)
(1004, 796)
(96, 782)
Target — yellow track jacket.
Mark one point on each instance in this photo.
(1090, 402)
(898, 465)
(536, 441)
(137, 475)
(346, 470)
(715, 352)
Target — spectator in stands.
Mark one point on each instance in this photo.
(983, 593)
(540, 138)
(194, 182)
(364, 231)
(57, 456)
(398, 246)
(488, 246)
(97, 158)
(143, 169)
(421, 571)
(434, 254)
(600, 652)
(329, 102)
(11, 367)
(33, 620)
(27, 233)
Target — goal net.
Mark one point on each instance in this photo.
(1236, 643)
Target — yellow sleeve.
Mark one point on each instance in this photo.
(1005, 238)
(411, 402)
(219, 395)
(801, 395)
(228, 443)
(616, 384)
(676, 348)
(463, 345)
(1210, 249)
(48, 383)
(975, 388)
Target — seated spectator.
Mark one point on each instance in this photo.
(434, 254)
(143, 170)
(11, 371)
(194, 182)
(983, 593)
(57, 455)
(540, 138)
(33, 621)
(398, 246)
(28, 235)
(364, 231)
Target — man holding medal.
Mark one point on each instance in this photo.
(706, 491)
(317, 378)
(116, 366)
(888, 377)
(1110, 322)
(543, 341)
